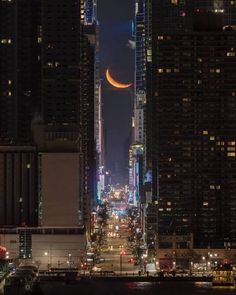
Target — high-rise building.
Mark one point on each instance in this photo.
(61, 51)
(47, 154)
(140, 71)
(91, 29)
(136, 148)
(20, 69)
(47, 101)
(20, 96)
(68, 101)
(190, 122)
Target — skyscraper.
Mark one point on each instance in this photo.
(20, 69)
(140, 71)
(190, 118)
(47, 105)
(47, 154)
(20, 102)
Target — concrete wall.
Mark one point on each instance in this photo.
(60, 187)
(58, 250)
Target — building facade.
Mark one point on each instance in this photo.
(20, 69)
(18, 186)
(47, 104)
(190, 118)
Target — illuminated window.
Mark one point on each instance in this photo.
(160, 37)
(231, 154)
(212, 137)
(168, 70)
(160, 70)
(186, 99)
(205, 132)
(9, 93)
(168, 203)
(174, 2)
(9, 82)
(231, 142)
(168, 209)
(212, 186)
(231, 149)
(230, 53)
(205, 203)
(217, 71)
(185, 220)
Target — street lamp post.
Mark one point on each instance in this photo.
(122, 253)
(69, 260)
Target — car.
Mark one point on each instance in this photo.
(96, 269)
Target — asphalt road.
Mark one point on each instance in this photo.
(116, 252)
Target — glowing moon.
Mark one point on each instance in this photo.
(115, 83)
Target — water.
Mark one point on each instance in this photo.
(135, 288)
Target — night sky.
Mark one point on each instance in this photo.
(115, 19)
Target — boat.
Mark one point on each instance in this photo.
(223, 276)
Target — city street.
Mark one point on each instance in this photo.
(115, 251)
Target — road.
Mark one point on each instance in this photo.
(116, 252)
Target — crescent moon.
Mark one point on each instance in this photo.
(115, 83)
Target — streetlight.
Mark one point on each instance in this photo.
(69, 259)
(46, 255)
(122, 253)
(204, 264)
(49, 255)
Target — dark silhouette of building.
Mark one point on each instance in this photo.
(20, 102)
(20, 69)
(190, 144)
(47, 101)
